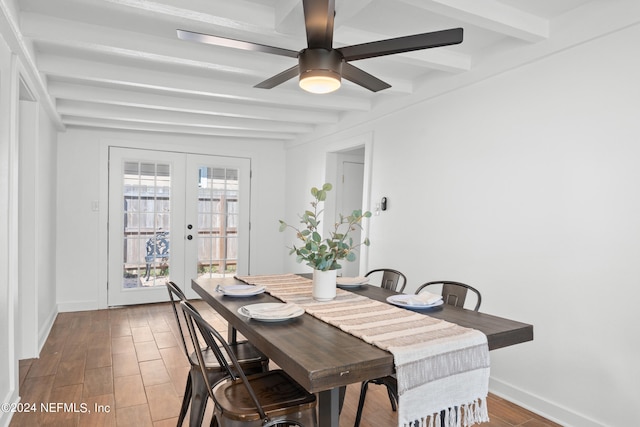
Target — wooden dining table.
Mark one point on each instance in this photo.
(324, 359)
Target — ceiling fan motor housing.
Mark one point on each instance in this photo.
(320, 62)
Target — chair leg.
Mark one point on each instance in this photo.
(363, 395)
(199, 397)
(214, 421)
(392, 398)
(185, 401)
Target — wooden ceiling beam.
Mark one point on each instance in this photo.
(196, 105)
(491, 15)
(78, 70)
(96, 110)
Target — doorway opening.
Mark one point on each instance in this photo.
(348, 170)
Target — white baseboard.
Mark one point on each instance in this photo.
(46, 328)
(66, 307)
(543, 407)
(5, 416)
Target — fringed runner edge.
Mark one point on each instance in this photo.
(475, 378)
(464, 415)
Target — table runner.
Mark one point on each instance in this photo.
(441, 367)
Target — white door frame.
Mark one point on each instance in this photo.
(182, 212)
(28, 345)
(333, 157)
(117, 157)
(243, 165)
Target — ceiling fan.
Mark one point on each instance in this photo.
(320, 66)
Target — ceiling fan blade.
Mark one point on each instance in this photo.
(362, 78)
(237, 44)
(279, 78)
(402, 44)
(318, 19)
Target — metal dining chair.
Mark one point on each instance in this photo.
(454, 293)
(250, 358)
(264, 399)
(390, 278)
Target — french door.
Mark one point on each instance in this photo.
(174, 217)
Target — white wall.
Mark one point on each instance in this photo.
(37, 214)
(45, 223)
(27, 204)
(524, 185)
(82, 175)
(311, 165)
(8, 361)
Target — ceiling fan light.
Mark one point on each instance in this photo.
(320, 70)
(320, 81)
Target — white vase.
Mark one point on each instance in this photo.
(324, 285)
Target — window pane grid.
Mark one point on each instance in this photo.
(217, 221)
(147, 193)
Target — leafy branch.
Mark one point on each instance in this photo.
(324, 254)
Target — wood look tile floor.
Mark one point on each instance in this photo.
(124, 367)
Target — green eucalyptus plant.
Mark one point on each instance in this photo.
(324, 254)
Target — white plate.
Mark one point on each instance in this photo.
(271, 311)
(241, 290)
(404, 300)
(351, 282)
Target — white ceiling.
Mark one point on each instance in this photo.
(118, 64)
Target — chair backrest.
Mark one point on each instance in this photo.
(176, 296)
(454, 293)
(220, 348)
(390, 279)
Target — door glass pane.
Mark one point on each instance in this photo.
(217, 222)
(146, 224)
